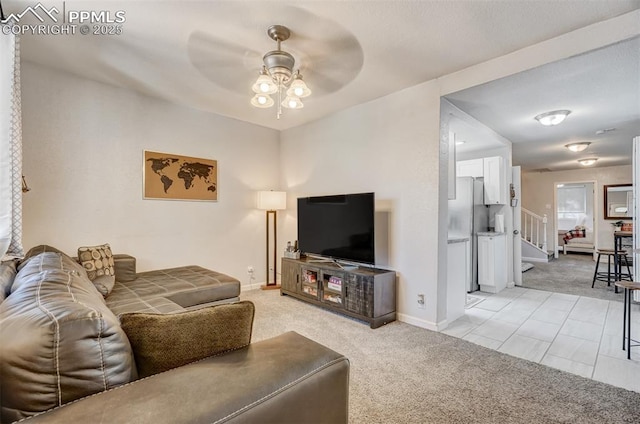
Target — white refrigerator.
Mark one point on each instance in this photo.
(468, 215)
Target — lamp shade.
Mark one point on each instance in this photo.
(272, 200)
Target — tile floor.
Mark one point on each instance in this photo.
(577, 334)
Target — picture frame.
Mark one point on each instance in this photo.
(168, 176)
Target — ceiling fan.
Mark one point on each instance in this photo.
(327, 54)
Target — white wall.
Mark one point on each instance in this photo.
(83, 144)
(388, 146)
(538, 192)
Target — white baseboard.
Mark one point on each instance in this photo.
(247, 287)
(534, 260)
(418, 322)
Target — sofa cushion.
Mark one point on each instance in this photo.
(124, 267)
(284, 379)
(172, 290)
(104, 284)
(64, 261)
(8, 270)
(99, 264)
(58, 339)
(162, 342)
(35, 251)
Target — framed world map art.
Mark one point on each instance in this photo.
(176, 177)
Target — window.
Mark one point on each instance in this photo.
(572, 206)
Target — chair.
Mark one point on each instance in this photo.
(608, 277)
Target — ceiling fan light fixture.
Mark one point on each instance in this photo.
(278, 76)
(587, 161)
(552, 118)
(292, 102)
(298, 87)
(577, 147)
(262, 101)
(264, 84)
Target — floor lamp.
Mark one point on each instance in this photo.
(272, 201)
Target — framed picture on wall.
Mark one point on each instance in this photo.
(176, 177)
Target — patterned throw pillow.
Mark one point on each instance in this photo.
(98, 262)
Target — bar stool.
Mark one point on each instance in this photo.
(607, 276)
(629, 287)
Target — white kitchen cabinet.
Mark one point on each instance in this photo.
(470, 168)
(495, 191)
(492, 262)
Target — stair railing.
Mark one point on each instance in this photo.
(534, 229)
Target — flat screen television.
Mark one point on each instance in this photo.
(338, 227)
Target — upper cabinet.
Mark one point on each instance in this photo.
(492, 169)
(495, 190)
(470, 168)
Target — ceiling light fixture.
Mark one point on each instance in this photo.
(552, 118)
(278, 77)
(577, 147)
(587, 162)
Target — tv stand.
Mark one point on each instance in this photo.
(368, 294)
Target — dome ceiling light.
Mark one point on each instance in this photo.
(278, 77)
(552, 118)
(587, 161)
(577, 147)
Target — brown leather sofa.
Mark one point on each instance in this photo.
(64, 357)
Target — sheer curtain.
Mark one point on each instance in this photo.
(10, 149)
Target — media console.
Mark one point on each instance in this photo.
(368, 294)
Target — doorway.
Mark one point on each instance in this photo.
(575, 218)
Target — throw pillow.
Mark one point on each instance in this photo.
(162, 342)
(98, 262)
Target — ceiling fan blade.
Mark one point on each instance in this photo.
(227, 64)
(329, 72)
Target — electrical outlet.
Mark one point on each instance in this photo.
(421, 301)
(250, 269)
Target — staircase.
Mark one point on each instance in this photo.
(534, 237)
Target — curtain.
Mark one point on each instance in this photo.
(10, 149)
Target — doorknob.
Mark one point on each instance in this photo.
(516, 232)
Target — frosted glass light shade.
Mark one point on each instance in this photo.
(587, 162)
(264, 85)
(577, 147)
(262, 100)
(272, 200)
(292, 102)
(552, 118)
(298, 88)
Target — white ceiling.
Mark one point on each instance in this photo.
(601, 88)
(205, 55)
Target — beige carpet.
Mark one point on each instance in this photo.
(404, 374)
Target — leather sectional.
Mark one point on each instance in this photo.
(65, 357)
